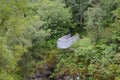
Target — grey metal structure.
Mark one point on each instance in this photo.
(66, 41)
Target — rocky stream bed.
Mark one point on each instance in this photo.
(45, 75)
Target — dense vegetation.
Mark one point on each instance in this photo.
(29, 30)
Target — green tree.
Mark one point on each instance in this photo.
(94, 27)
(99, 16)
(57, 18)
(19, 29)
(78, 8)
(47, 16)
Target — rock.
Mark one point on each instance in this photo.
(39, 79)
(77, 78)
(37, 73)
(67, 78)
(28, 78)
(46, 73)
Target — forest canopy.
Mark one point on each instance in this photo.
(29, 30)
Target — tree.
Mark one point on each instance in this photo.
(47, 17)
(19, 28)
(94, 27)
(57, 18)
(99, 16)
(78, 8)
(108, 7)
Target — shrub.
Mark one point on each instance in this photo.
(94, 62)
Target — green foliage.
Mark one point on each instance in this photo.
(78, 8)
(46, 15)
(94, 27)
(6, 76)
(116, 32)
(29, 30)
(99, 16)
(112, 33)
(57, 18)
(94, 62)
(108, 6)
(17, 33)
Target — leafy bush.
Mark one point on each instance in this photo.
(94, 62)
(19, 32)
(57, 18)
(94, 27)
